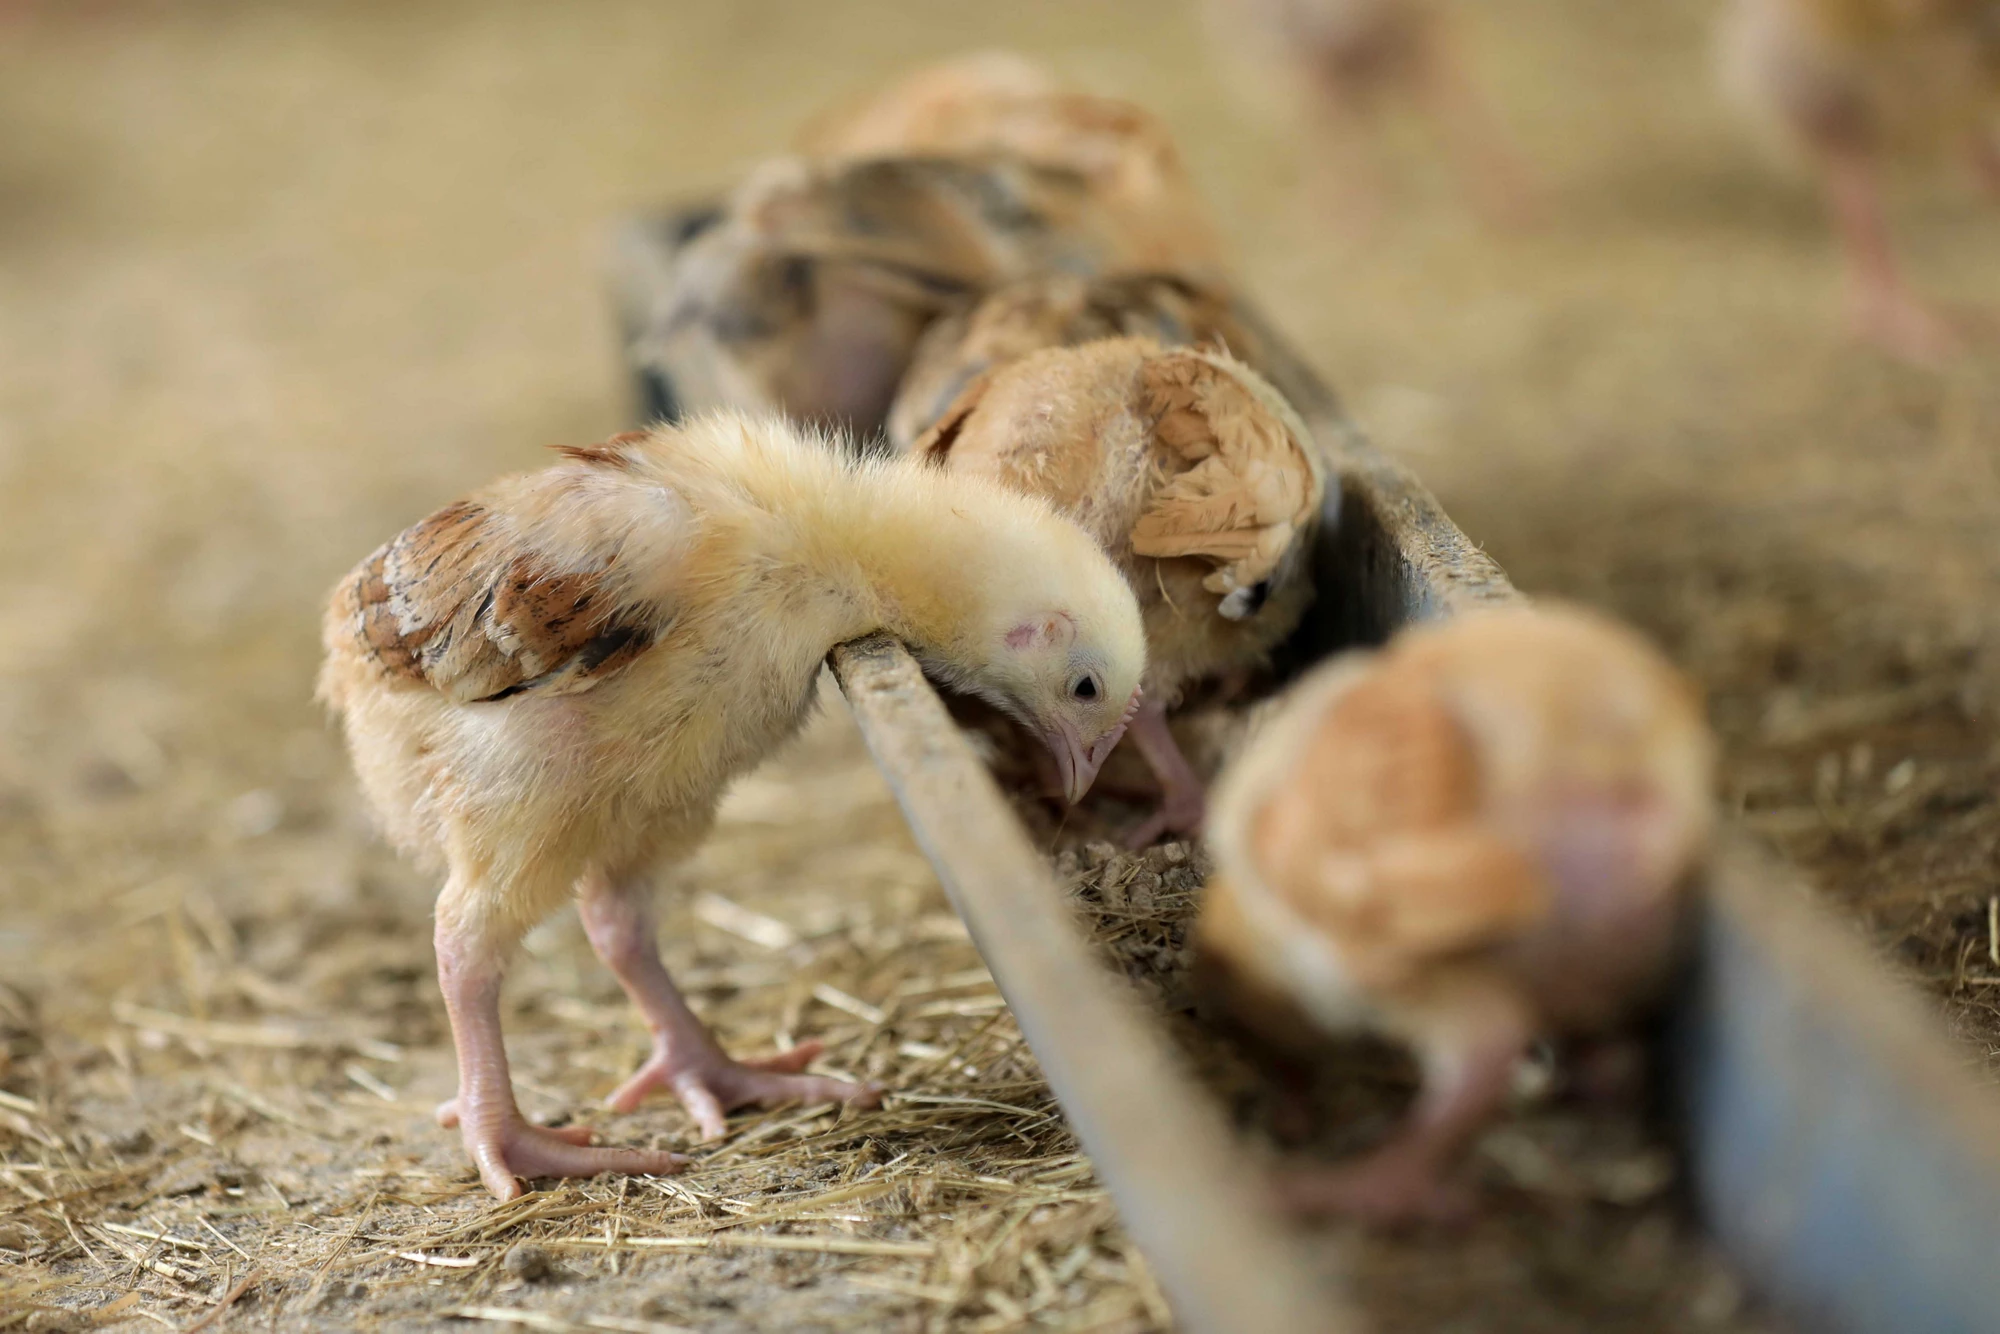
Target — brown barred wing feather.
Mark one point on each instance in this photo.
(1239, 490)
(454, 603)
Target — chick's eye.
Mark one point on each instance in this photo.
(1085, 687)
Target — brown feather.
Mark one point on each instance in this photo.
(1249, 490)
(811, 291)
(1000, 104)
(1058, 310)
(610, 454)
(453, 603)
(1376, 841)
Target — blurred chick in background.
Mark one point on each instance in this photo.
(1481, 833)
(546, 687)
(999, 102)
(1352, 59)
(1855, 83)
(1198, 478)
(806, 291)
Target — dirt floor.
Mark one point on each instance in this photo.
(277, 280)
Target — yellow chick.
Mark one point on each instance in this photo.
(997, 102)
(806, 292)
(546, 687)
(1483, 832)
(1352, 56)
(1196, 476)
(1851, 83)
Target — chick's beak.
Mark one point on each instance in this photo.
(1078, 761)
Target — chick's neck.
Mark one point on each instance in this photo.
(919, 561)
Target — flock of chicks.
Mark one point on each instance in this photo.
(1080, 500)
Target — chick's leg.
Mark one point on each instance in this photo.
(1468, 1052)
(617, 916)
(1986, 161)
(1183, 796)
(1501, 184)
(1885, 309)
(503, 1145)
(1347, 176)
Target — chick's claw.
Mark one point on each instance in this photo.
(515, 1151)
(710, 1084)
(1182, 812)
(1392, 1187)
(1907, 329)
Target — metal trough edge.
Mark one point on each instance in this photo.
(1183, 1188)
(1838, 1146)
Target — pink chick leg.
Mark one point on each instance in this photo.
(1183, 796)
(1347, 177)
(1467, 1063)
(617, 916)
(1986, 161)
(503, 1145)
(1502, 185)
(1885, 309)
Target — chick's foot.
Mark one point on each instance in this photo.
(1391, 1187)
(1884, 309)
(1906, 328)
(1181, 814)
(508, 1149)
(617, 916)
(710, 1084)
(1468, 1040)
(503, 1145)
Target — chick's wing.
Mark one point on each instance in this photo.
(1377, 838)
(459, 602)
(1238, 488)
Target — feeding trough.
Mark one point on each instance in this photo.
(1837, 1148)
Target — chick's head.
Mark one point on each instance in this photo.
(1059, 645)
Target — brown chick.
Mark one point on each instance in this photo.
(1059, 310)
(1484, 832)
(1352, 56)
(997, 102)
(1852, 83)
(807, 291)
(1194, 473)
(547, 686)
